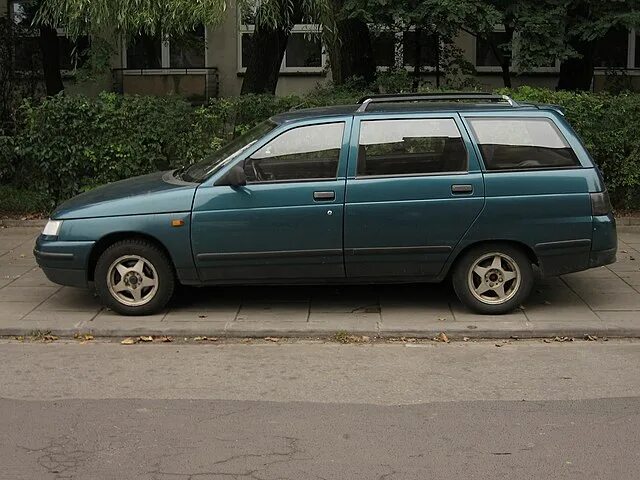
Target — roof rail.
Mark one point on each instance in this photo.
(433, 97)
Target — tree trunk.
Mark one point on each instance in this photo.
(267, 51)
(50, 50)
(356, 51)
(349, 48)
(417, 62)
(577, 73)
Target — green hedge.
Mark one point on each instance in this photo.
(68, 144)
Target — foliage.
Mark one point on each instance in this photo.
(609, 125)
(21, 202)
(65, 145)
(69, 144)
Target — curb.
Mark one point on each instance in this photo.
(456, 334)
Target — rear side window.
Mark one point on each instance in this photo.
(522, 143)
(410, 147)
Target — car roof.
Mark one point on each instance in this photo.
(401, 107)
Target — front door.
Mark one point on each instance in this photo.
(413, 190)
(286, 223)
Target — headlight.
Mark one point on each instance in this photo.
(52, 228)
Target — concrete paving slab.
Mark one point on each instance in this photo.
(71, 299)
(274, 313)
(33, 277)
(609, 301)
(26, 294)
(631, 278)
(221, 314)
(12, 311)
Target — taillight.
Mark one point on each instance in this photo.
(600, 204)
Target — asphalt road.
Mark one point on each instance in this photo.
(312, 411)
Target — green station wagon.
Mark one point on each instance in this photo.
(399, 188)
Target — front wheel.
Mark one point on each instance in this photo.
(493, 279)
(134, 277)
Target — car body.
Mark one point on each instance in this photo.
(395, 189)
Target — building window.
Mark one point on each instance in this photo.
(27, 55)
(428, 45)
(485, 53)
(398, 49)
(612, 50)
(304, 52)
(151, 52)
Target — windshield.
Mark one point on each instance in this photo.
(212, 163)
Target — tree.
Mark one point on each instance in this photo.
(587, 22)
(439, 20)
(348, 41)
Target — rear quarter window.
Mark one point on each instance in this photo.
(522, 144)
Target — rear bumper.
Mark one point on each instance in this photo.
(602, 257)
(64, 263)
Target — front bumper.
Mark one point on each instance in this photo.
(64, 263)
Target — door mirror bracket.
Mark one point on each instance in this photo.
(236, 177)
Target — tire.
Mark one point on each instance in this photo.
(505, 283)
(134, 277)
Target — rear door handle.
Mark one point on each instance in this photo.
(461, 189)
(324, 196)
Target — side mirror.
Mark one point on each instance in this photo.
(234, 177)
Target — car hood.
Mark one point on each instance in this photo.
(148, 194)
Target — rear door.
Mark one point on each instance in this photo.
(414, 188)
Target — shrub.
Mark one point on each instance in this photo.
(68, 144)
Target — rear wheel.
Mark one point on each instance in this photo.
(493, 278)
(134, 277)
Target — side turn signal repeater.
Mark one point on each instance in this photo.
(177, 223)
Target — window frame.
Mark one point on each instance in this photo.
(166, 69)
(298, 29)
(345, 131)
(476, 143)
(453, 118)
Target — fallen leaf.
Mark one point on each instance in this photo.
(498, 344)
(441, 337)
(365, 338)
(590, 338)
(271, 339)
(19, 338)
(213, 339)
(563, 339)
(128, 341)
(442, 319)
(144, 338)
(465, 339)
(546, 340)
(166, 339)
(50, 338)
(199, 339)
(202, 316)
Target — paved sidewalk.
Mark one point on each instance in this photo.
(602, 302)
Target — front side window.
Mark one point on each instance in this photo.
(303, 153)
(522, 143)
(410, 147)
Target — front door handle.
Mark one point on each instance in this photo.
(461, 189)
(324, 196)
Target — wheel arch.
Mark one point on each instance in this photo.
(106, 241)
(513, 243)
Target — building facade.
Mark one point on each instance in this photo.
(212, 61)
